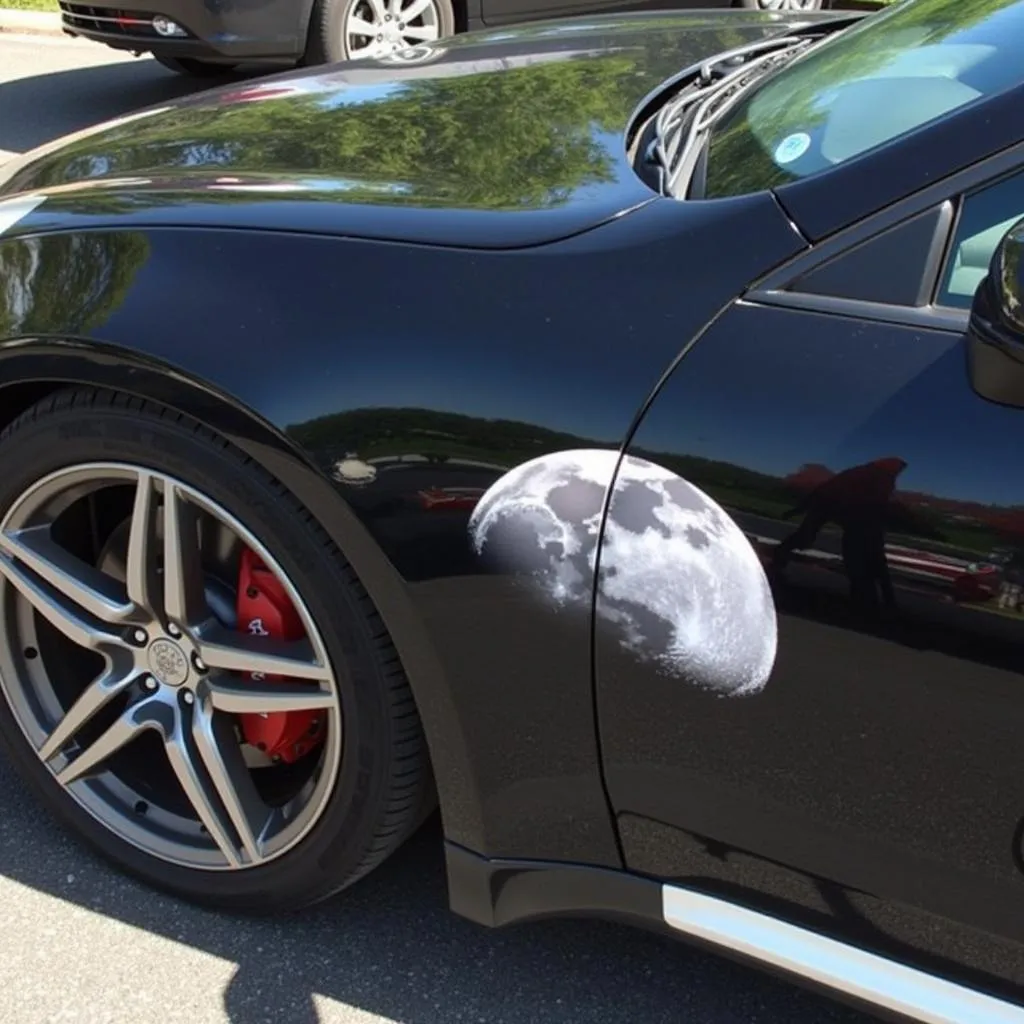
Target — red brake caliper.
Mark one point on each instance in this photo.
(264, 610)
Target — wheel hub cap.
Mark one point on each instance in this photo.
(168, 663)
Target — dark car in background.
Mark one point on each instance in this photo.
(195, 37)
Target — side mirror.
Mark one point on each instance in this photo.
(995, 334)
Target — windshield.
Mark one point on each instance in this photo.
(881, 78)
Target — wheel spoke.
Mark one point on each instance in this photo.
(200, 793)
(254, 698)
(361, 27)
(379, 10)
(140, 560)
(57, 609)
(184, 602)
(79, 583)
(241, 652)
(218, 748)
(133, 722)
(92, 699)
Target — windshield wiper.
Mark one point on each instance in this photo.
(682, 125)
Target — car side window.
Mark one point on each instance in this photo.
(986, 215)
(897, 267)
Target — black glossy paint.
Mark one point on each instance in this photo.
(872, 788)
(311, 355)
(499, 892)
(881, 754)
(419, 153)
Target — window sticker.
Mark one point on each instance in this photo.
(792, 147)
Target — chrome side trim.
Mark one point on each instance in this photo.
(935, 318)
(865, 976)
(13, 210)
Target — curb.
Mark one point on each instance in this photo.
(40, 23)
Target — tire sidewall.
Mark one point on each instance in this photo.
(336, 843)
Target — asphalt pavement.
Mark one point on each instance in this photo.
(80, 943)
(50, 86)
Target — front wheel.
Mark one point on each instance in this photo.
(191, 676)
(375, 29)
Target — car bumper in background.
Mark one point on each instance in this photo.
(213, 31)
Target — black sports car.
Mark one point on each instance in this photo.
(196, 37)
(583, 430)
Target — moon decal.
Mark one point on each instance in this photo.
(679, 584)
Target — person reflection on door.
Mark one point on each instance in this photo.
(857, 501)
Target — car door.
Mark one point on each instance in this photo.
(811, 694)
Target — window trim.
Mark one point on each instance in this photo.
(941, 250)
(773, 289)
(932, 318)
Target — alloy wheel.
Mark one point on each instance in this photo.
(123, 667)
(376, 28)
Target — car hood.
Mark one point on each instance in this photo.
(494, 138)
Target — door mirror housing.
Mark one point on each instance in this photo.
(995, 334)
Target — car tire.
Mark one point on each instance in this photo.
(328, 40)
(781, 5)
(194, 67)
(381, 790)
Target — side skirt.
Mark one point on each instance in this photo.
(500, 892)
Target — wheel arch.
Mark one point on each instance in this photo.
(33, 368)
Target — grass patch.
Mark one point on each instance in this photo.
(31, 5)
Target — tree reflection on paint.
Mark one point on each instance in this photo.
(83, 278)
(514, 137)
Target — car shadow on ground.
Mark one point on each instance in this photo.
(390, 946)
(41, 108)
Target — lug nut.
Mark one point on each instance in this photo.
(149, 683)
(139, 636)
(188, 697)
(172, 629)
(198, 662)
